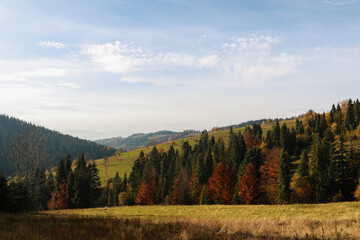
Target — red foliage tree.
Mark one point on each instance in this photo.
(250, 140)
(269, 173)
(221, 184)
(249, 185)
(61, 202)
(146, 191)
(58, 198)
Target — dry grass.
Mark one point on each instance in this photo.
(298, 221)
(27, 226)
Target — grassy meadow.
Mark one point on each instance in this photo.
(298, 221)
(123, 163)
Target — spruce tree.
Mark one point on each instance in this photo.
(320, 168)
(303, 168)
(67, 165)
(283, 188)
(4, 204)
(350, 116)
(275, 134)
(60, 173)
(70, 191)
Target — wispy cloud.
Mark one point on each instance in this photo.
(121, 57)
(52, 44)
(250, 44)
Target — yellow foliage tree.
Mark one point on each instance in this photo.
(357, 193)
(300, 189)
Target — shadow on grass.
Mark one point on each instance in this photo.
(36, 226)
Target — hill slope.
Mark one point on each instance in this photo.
(57, 145)
(123, 163)
(140, 140)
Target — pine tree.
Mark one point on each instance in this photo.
(350, 116)
(136, 174)
(4, 204)
(233, 156)
(67, 165)
(60, 173)
(320, 167)
(303, 168)
(275, 134)
(70, 191)
(340, 165)
(283, 189)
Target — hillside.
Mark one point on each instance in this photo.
(123, 163)
(140, 140)
(57, 145)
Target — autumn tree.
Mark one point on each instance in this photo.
(147, 190)
(221, 185)
(269, 175)
(248, 183)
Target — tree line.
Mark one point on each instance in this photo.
(41, 190)
(315, 161)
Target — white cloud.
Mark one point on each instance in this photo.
(117, 57)
(51, 44)
(122, 58)
(249, 44)
(67, 84)
(156, 81)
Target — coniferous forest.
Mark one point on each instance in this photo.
(315, 161)
(15, 134)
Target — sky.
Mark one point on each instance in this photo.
(105, 68)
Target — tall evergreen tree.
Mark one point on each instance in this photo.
(320, 168)
(4, 204)
(67, 165)
(350, 122)
(303, 168)
(283, 189)
(60, 173)
(70, 191)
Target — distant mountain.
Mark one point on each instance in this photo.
(140, 140)
(57, 145)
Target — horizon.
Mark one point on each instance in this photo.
(99, 70)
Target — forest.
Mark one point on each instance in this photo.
(315, 161)
(54, 144)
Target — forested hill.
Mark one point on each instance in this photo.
(56, 145)
(140, 140)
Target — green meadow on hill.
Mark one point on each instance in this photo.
(123, 163)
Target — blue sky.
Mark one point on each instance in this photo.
(97, 69)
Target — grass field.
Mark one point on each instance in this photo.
(299, 221)
(123, 163)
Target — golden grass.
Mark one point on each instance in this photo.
(331, 220)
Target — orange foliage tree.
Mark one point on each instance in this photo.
(146, 191)
(58, 198)
(221, 184)
(269, 174)
(249, 185)
(250, 140)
